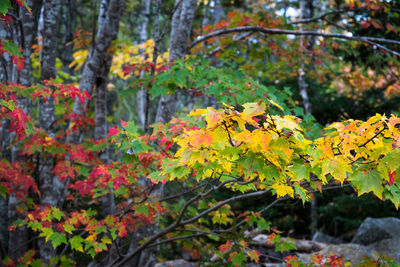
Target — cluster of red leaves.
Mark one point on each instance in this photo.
(16, 57)
(147, 67)
(15, 180)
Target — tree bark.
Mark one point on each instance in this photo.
(106, 33)
(50, 187)
(307, 11)
(180, 31)
(18, 239)
(141, 96)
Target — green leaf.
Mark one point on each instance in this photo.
(392, 160)
(46, 232)
(57, 214)
(12, 48)
(142, 209)
(300, 171)
(239, 258)
(366, 181)
(131, 128)
(4, 6)
(76, 243)
(69, 228)
(8, 104)
(57, 239)
(288, 245)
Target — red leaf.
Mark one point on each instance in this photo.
(64, 170)
(392, 177)
(19, 62)
(124, 123)
(365, 24)
(113, 131)
(225, 247)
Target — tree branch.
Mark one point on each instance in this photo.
(272, 31)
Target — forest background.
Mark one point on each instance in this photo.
(135, 131)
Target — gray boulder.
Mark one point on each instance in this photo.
(376, 229)
(175, 263)
(324, 238)
(389, 247)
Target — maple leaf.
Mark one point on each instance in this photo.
(337, 167)
(251, 110)
(113, 131)
(225, 247)
(63, 170)
(283, 190)
(254, 255)
(392, 177)
(366, 181)
(76, 243)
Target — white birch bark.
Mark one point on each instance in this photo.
(180, 31)
(307, 11)
(141, 96)
(18, 239)
(106, 33)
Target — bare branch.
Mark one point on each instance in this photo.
(321, 16)
(259, 29)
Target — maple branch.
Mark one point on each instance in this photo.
(229, 135)
(151, 239)
(372, 138)
(273, 31)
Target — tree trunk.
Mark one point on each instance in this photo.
(106, 33)
(180, 32)
(141, 96)
(50, 187)
(18, 239)
(307, 11)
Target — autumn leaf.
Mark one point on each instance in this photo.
(225, 247)
(254, 255)
(283, 190)
(76, 243)
(366, 181)
(251, 110)
(113, 131)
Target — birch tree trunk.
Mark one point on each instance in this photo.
(50, 186)
(141, 96)
(106, 33)
(307, 11)
(180, 31)
(18, 239)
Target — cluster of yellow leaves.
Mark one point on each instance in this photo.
(124, 54)
(274, 152)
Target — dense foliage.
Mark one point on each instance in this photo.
(200, 182)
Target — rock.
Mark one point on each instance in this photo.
(373, 230)
(353, 253)
(324, 238)
(175, 263)
(390, 247)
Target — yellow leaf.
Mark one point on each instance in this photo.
(251, 110)
(283, 190)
